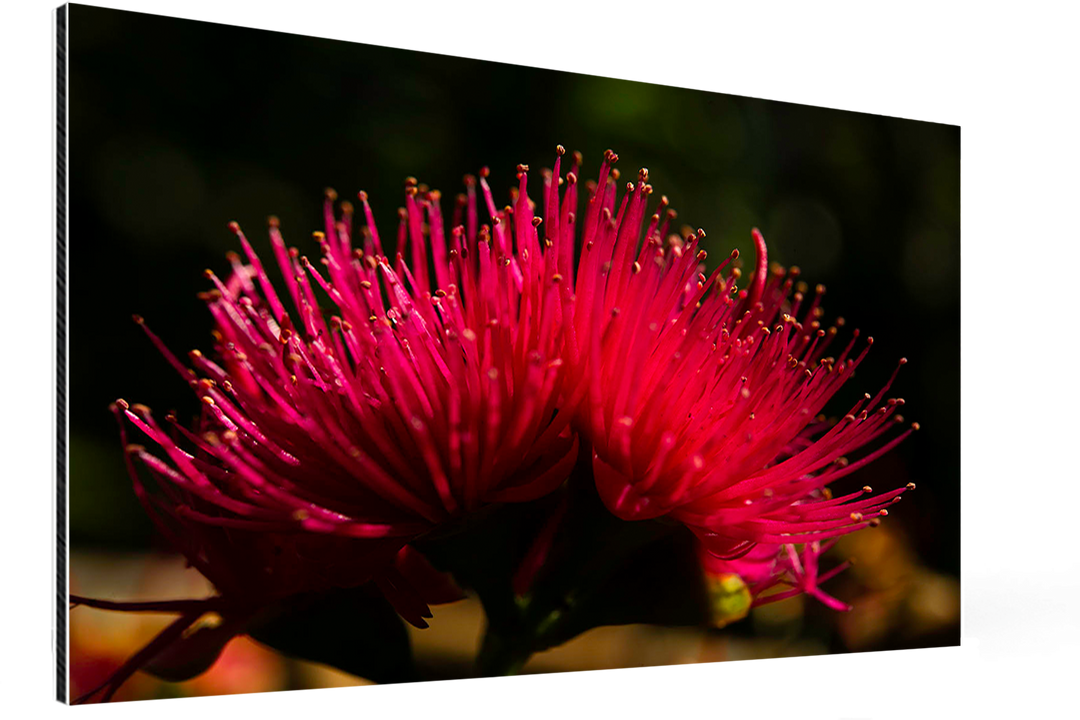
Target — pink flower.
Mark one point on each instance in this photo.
(702, 400)
(418, 400)
(325, 444)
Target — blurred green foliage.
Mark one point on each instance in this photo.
(178, 127)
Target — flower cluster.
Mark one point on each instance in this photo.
(702, 400)
(419, 399)
(379, 397)
(325, 444)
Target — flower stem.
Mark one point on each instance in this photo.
(500, 655)
(590, 546)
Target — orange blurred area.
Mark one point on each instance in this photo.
(102, 640)
(454, 633)
(892, 592)
(898, 603)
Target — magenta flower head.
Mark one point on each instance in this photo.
(328, 441)
(703, 400)
(416, 399)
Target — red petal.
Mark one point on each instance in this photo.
(434, 587)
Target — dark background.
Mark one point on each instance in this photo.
(178, 127)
